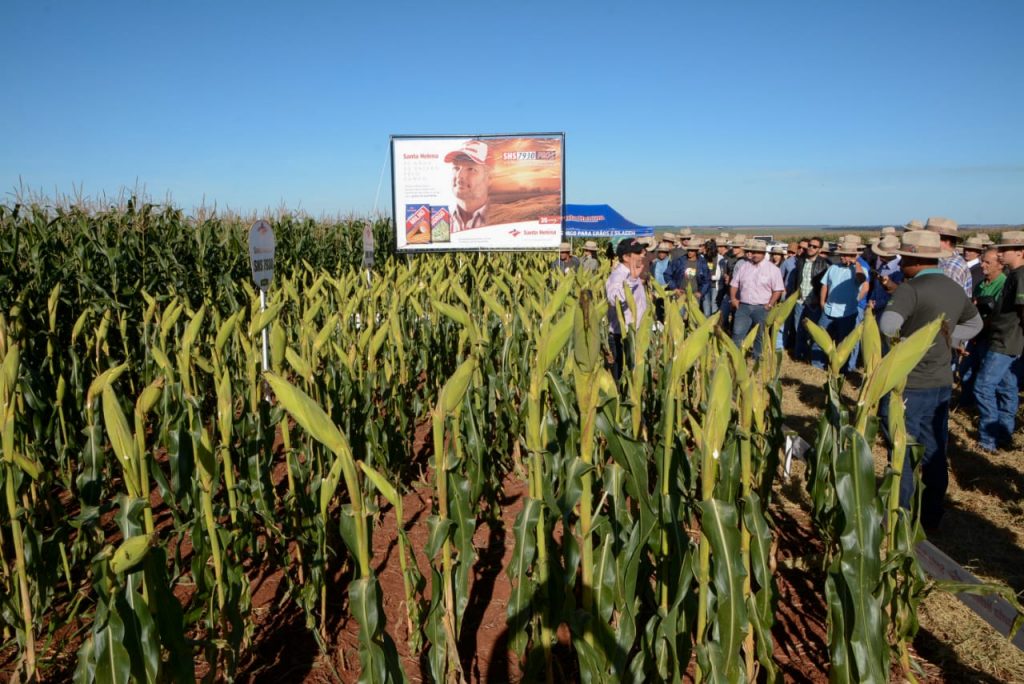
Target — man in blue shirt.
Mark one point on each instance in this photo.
(840, 291)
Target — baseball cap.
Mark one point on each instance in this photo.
(630, 246)
(474, 150)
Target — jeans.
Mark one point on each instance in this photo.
(927, 419)
(995, 391)
(747, 316)
(789, 329)
(804, 311)
(851, 365)
(725, 306)
(837, 329)
(708, 302)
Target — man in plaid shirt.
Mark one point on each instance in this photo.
(955, 267)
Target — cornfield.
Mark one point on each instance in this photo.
(140, 435)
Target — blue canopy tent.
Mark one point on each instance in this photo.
(600, 220)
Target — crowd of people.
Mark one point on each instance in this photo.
(904, 278)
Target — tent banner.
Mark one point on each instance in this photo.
(600, 220)
(485, 192)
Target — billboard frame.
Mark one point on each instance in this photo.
(441, 136)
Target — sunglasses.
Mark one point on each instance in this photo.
(814, 246)
(790, 252)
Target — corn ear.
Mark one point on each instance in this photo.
(455, 389)
(130, 553)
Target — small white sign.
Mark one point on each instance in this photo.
(261, 253)
(368, 245)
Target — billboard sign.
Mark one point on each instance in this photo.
(486, 192)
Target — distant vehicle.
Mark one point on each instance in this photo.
(767, 238)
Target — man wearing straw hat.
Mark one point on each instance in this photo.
(566, 261)
(973, 248)
(925, 295)
(589, 263)
(841, 290)
(716, 262)
(659, 271)
(888, 277)
(755, 288)
(954, 265)
(995, 389)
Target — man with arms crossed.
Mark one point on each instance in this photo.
(755, 288)
(995, 388)
(925, 295)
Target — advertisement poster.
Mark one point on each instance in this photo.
(478, 193)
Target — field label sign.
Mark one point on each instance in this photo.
(261, 253)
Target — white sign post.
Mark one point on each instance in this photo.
(368, 249)
(261, 259)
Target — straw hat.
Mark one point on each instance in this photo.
(923, 244)
(565, 247)
(779, 249)
(755, 245)
(590, 246)
(664, 246)
(887, 246)
(650, 242)
(738, 241)
(723, 238)
(888, 230)
(685, 235)
(913, 224)
(848, 248)
(985, 239)
(975, 243)
(853, 239)
(1013, 239)
(943, 226)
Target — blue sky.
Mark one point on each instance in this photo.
(675, 113)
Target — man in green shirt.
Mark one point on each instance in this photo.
(925, 295)
(995, 389)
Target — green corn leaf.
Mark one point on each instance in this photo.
(192, 330)
(820, 337)
(845, 348)
(720, 524)
(382, 485)
(120, 438)
(224, 333)
(102, 380)
(870, 344)
(897, 364)
(860, 559)
(302, 369)
(307, 413)
(557, 300)
(554, 340)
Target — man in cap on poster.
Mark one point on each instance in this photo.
(589, 263)
(471, 179)
(755, 288)
(626, 273)
(996, 386)
(925, 295)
